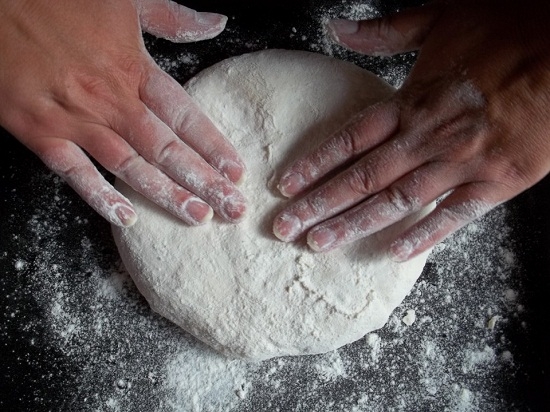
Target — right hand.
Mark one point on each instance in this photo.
(76, 80)
(469, 126)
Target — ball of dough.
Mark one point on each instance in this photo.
(236, 287)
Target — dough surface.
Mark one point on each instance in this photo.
(236, 287)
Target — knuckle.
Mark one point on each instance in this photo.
(349, 141)
(361, 180)
(166, 152)
(76, 85)
(310, 209)
(127, 165)
(402, 201)
(384, 27)
(316, 206)
(183, 119)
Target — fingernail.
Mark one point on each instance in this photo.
(199, 211)
(210, 19)
(321, 239)
(287, 227)
(341, 26)
(234, 208)
(291, 184)
(401, 250)
(241, 179)
(126, 215)
(235, 172)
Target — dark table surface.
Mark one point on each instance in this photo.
(75, 334)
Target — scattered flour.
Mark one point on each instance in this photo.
(20, 264)
(330, 366)
(409, 318)
(122, 357)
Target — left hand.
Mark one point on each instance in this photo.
(470, 121)
(76, 82)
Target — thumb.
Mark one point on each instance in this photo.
(174, 22)
(385, 36)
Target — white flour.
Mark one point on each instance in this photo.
(236, 287)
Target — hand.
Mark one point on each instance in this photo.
(76, 80)
(471, 121)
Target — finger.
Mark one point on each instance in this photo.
(125, 163)
(158, 144)
(462, 206)
(174, 22)
(171, 104)
(72, 165)
(365, 132)
(367, 177)
(406, 196)
(385, 36)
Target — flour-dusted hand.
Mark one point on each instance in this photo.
(471, 121)
(77, 81)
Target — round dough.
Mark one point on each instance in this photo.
(236, 287)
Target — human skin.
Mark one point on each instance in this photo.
(470, 122)
(77, 81)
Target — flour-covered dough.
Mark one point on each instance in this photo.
(236, 287)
